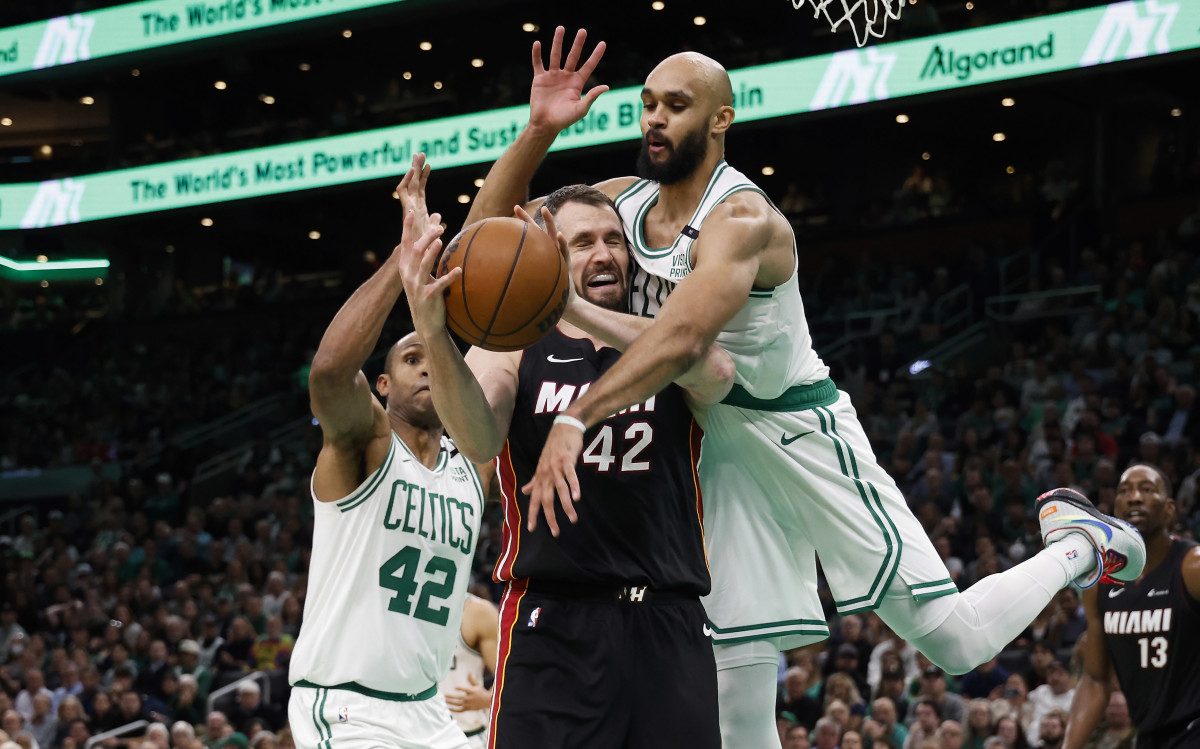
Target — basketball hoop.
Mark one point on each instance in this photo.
(867, 18)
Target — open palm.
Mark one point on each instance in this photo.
(556, 99)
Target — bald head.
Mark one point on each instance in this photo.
(1149, 468)
(706, 78)
(398, 348)
(687, 105)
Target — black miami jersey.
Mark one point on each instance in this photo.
(1152, 629)
(640, 511)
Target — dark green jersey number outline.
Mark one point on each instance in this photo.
(406, 561)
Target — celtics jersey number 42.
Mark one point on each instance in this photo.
(389, 572)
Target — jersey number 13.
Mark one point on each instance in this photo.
(1153, 652)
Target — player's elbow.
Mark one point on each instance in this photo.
(325, 371)
(724, 370)
(711, 381)
(688, 346)
(477, 437)
(478, 451)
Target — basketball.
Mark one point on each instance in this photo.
(513, 287)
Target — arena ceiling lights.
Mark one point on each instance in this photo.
(151, 24)
(1048, 44)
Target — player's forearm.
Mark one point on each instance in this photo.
(507, 182)
(656, 359)
(1087, 708)
(708, 380)
(459, 400)
(356, 328)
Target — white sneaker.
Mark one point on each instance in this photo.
(1120, 549)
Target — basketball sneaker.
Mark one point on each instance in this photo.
(1120, 549)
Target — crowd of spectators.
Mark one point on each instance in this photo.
(870, 689)
(125, 394)
(140, 596)
(144, 597)
(111, 616)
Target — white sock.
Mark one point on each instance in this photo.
(746, 701)
(960, 631)
(1075, 552)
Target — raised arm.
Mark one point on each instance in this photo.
(465, 409)
(351, 418)
(556, 101)
(1091, 694)
(340, 395)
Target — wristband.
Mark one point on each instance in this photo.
(570, 421)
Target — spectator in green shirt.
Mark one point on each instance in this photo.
(189, 663)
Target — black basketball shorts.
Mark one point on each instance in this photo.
(614, 668)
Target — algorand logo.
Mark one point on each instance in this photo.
(56, 203)
(65, 41)
(853, 77)
(946, 61)
(1124, 33)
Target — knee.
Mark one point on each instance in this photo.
(952, 663)
(956, 652)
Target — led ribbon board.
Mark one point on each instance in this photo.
(1067, 41)
(53, 270)
(149, 25)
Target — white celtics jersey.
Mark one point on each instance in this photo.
(388, 576)
(768, 338)
(466, 660)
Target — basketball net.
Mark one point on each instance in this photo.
(867, 18)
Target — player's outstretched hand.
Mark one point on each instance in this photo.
(417, 257)
(555, 476)
(556, 98)
(552, 229)
(411, 191)
(470, 697)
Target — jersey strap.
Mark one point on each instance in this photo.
(362, 495)
(378, 694)
(467, 647)
(795, 398)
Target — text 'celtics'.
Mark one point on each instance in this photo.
(430, 515)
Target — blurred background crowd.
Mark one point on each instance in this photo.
(1008, 318)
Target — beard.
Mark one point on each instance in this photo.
(614, 298)
(682, 159)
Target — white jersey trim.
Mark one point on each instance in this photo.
(363, 491)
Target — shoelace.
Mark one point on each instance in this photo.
(1111, 565)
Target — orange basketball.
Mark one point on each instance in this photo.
(513, 287)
